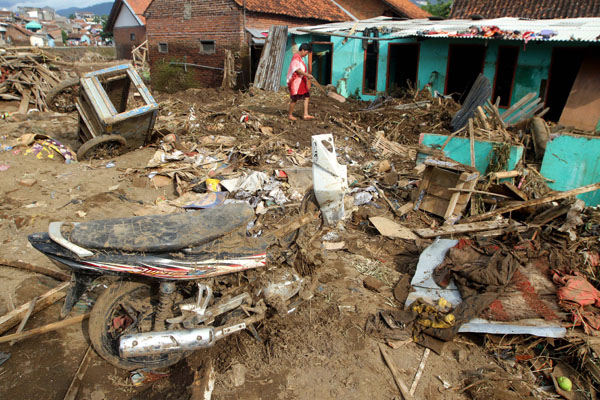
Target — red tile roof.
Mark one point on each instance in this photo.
(138, 7)
(407, 8)
(539, 9)
(324, 10)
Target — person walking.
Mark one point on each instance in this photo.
(297, 81)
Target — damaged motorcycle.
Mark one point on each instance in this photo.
(180, 282)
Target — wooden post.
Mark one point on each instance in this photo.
(534, 202)
(11, 319)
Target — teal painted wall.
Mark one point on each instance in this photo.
(459, 150)
(572, 161)
(533, 64)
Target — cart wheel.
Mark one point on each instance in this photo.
(105, 146)
(62, 97)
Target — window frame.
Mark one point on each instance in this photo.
(203, 51)
(166, 47)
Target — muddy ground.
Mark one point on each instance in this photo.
(321, 351)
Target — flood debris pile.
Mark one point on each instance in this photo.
(453, 232)
(28, 76)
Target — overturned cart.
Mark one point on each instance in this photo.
(116, 111)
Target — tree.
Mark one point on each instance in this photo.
(104, 34)
(438, 9)
(64, 36)
(72, 16)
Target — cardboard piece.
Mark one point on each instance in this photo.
(390, 228)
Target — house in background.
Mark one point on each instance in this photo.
(539, 9)
(128, 25)
(365, 9)
(518, 56)
(198, 32)
(33, 26)
(18, 36)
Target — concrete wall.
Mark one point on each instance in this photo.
(578, 155)
(533, 64)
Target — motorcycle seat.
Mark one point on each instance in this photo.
(162, 233)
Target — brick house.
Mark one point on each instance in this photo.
(198, 32)
(128, 25)
(540, 9)
(17, 35)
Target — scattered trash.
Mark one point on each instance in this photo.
(145, 375)
(330, 180)
(4, 357)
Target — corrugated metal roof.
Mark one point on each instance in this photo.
(574, 29)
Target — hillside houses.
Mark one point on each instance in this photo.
(32, 26)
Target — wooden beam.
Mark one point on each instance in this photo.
(479, 192)
(13, 318)
(25, 102)
(472, 142)
(44, 329)
(516, 106)
(61, 276)
(534, 202)
(505, 174)
(78, 378)
(392, 366)
(459, 229)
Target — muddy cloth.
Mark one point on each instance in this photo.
(481, 275)
(577, 296)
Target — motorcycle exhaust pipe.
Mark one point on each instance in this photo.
(152, 343)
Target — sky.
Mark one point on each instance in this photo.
(56, 4)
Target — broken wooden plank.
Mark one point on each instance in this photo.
(413, 387)
(516, 106)
(13, 318)
(535, 202)
(44, 329)
(392, 366)
(460, 229)
(25, 318)
(499, 232)
(405, 209)
(61, 276)
(386, 146)
(478, 192)
(204, 381)
(390, 228)
(24, 106)
(78, 377)
(472, 142)
(505, 174)
(518, 192)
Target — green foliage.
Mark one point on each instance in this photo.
(439, 9)
(172, 78)
(104, 34)
(65, 36)
(72, 16)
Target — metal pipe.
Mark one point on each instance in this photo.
(345, 36)
(149, 343)
(201, 66)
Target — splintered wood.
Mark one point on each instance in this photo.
(27, 77)
(386, 147)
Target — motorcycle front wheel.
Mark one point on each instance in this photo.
(126, 308)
